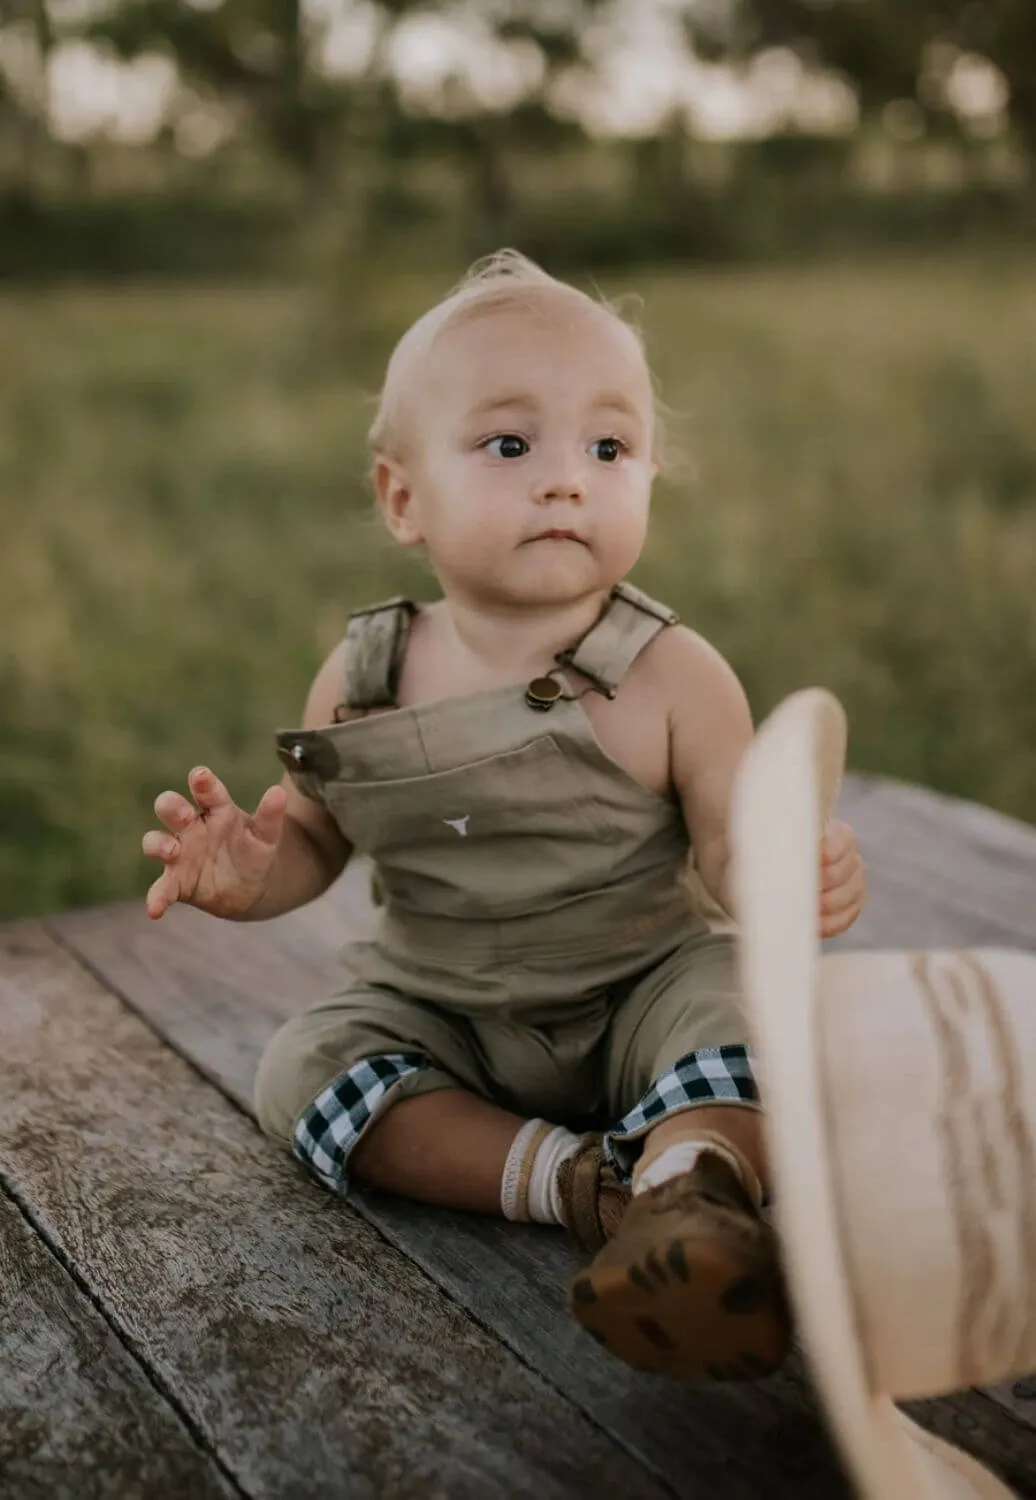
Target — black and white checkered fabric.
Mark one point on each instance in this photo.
(709, 1075)
(333, 1123)
(331, 1126)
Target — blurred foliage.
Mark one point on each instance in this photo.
(182, 502)
(187, 524)
(161, 234)
(783, 201)
(320, 162)
(889, 50)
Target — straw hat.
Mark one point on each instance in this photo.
(900, 1099)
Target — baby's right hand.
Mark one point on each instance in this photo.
(217, 857)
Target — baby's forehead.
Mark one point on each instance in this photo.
(525, 346)
(541, 320)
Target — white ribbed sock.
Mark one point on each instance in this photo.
(679, 1158)
(544, 1196)
(529, 1187)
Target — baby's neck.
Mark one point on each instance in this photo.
(507, 644)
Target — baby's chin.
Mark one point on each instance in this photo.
(555, 570)
(533, 575)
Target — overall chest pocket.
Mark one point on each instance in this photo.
(534, 796)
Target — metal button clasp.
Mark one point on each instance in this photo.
(542, 693)
(308, 753)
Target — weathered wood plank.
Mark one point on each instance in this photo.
(943, 872)
(510, 1278)
(306, 1352)
(926, 857)
(79, 1418)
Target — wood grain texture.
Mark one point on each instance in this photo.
(941, 873)
(303, 1350)
(79, 1418)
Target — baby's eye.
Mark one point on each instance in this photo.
(608, 449)
(507, 445)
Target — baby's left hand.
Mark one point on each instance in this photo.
(843, 880)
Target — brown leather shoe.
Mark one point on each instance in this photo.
(689, 1285)
(593, 1199)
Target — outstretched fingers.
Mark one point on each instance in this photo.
(268, 818)
(166, 889)
(175, 811)
(209, 794)
(163, 894)
(207, 789)
(160, 845)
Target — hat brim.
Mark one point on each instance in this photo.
(786, 789)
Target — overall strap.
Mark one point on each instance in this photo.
(605, 653)
(375, 641)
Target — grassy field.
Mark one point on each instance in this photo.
(185, 526)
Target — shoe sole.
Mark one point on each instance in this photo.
(687, 1308)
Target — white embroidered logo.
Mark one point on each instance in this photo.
(460, 824)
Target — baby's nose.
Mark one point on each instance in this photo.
(561, 486)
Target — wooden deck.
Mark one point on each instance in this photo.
(185, 1314)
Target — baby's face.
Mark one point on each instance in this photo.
(533, 421)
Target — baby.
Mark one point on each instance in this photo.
(543, 1025)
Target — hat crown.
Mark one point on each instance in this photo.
(899, 1091)
(929, 1063)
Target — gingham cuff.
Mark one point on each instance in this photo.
(709, 1075)
(329, 1129)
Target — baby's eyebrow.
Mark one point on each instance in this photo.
(617, 401)
(508, 403)
(521, 400)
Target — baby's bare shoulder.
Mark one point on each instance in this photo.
(327, 691)
(680, 662)
(705, 706)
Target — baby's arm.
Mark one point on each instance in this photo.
(241, 866)
(710, 728)
(313, 851)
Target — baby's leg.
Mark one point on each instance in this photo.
(679, 1066)
(690, 1284)
(375, 1085)
(737, 1126)
(448, 1147)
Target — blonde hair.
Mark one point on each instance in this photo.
(505, 279)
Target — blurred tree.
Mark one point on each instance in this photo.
(250, 56)
(261, 61)
(890, 50)
(486, 136)
(28, 40)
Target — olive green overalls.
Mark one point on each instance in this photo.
(536, 944)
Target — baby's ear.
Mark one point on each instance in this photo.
(393, 492)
